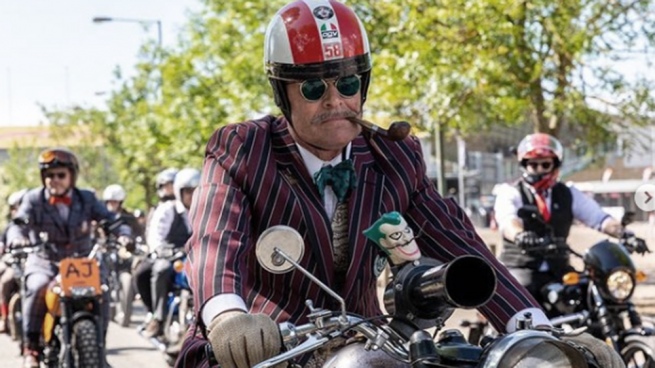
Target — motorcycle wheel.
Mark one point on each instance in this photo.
(126, 298)
(638, 351)
(86, 352)
(15, 318)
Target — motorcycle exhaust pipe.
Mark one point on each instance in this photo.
(430, 292)
(398, 130)
(447, 282)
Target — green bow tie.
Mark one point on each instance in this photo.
(341, 178)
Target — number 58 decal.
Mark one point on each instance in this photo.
(331, 50)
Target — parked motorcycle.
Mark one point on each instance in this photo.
(596, 298)
(419, 291)
(180, 305)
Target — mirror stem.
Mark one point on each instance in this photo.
(278, 252)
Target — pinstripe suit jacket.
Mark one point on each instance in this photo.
(70, 237)
(254, 178)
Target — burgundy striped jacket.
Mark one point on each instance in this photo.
(254, 177)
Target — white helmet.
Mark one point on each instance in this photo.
(16, 198)
(185, 178)
(114, 192)
(165, 176)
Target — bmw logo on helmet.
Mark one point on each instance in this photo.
(323, 12)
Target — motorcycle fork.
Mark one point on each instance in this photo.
(604, 317)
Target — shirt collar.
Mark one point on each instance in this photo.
(314, 164)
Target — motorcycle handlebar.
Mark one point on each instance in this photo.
(316, 335)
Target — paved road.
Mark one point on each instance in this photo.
(127, 349)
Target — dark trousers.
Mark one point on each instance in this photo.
(8, 284)
(153, 280)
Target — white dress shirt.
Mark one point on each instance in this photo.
(585, 209)
(162, 220)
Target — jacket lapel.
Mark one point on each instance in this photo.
(75, 213)
(319, 231)
(51, 210)
(364, 208)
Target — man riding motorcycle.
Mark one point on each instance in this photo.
(65, 213)
(541, 156)
(315, 170)
(8, 283)
(169, 225)
(114, 195)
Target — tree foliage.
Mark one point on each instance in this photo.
(466, 65)
(472, 64)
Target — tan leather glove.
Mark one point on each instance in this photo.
(241, 340)
(604, 354)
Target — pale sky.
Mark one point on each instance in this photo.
(52, 53)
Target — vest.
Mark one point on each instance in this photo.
(178, 233)
(561, 219)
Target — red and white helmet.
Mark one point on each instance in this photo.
(540, 145)
(315, 39)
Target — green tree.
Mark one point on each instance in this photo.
(480, 63)
(464, 65)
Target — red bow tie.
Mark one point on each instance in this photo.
(53, 200)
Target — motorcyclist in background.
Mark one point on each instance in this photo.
(114, 195)
(541, 156)
(169, 225)
(65, 213)
(8, 283)
(165, 193)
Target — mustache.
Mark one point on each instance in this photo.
(345, 114)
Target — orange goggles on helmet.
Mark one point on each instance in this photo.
(52, 156)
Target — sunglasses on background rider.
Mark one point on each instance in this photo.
(58, 175)
(314, 89)
(535, 165)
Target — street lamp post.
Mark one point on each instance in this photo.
(130, 20)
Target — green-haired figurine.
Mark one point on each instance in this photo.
(392, 234)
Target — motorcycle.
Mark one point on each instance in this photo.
(15, 258)
(599, 297)
(73, 332)
(596, 298)
(420, 291)
(179, 305)
(121, 262)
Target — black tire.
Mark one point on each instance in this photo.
(639, 351)
(86, 352)
(15, 317)
(126, 298)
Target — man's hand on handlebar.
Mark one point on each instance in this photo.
(20, 243)
(634, 244)
(527, 239)
(240, 340)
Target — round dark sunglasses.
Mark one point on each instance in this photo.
(314, 89)
(545, 165)
(58, 175)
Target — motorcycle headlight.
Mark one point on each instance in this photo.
(620, 285)
(529, 349)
